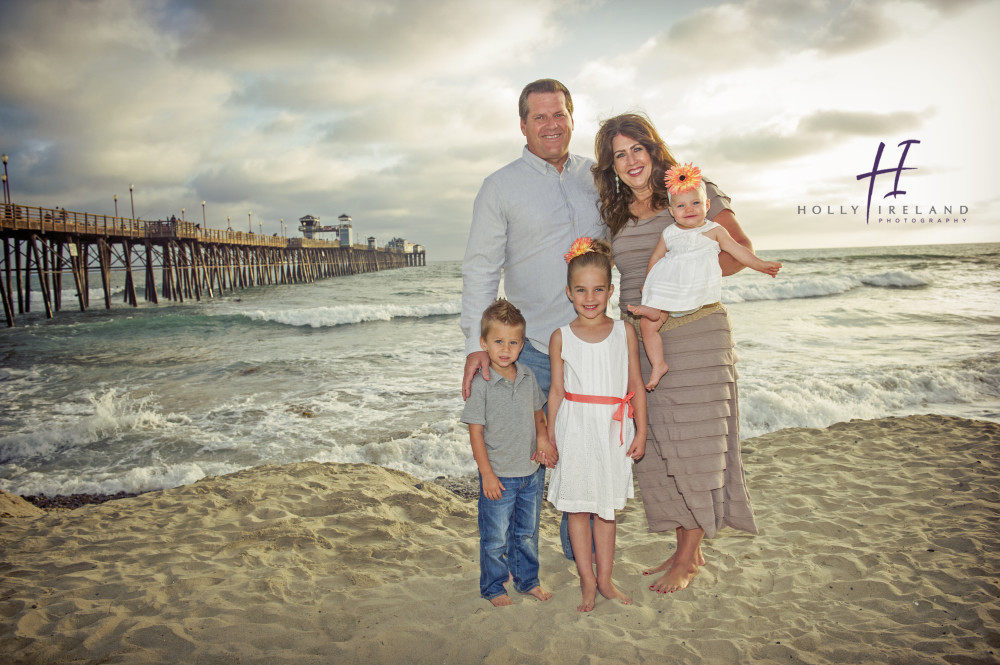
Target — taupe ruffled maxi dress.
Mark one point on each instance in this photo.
(692, 474)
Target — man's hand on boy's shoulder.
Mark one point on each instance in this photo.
(475, 362)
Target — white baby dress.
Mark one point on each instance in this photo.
(688, 276)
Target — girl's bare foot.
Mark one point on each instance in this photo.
(589, 588)
(611, 592)
(539, 593)
(678, 577)
(501, 601)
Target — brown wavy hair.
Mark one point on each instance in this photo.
(614, 204)
(598, 257)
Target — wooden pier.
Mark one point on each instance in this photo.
(192, 262)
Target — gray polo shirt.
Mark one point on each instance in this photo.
(507, 412)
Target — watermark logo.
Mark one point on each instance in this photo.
(896, 211)
(896, 191)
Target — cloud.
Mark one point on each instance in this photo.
(808, 135)
(855, 123)
(395, 111)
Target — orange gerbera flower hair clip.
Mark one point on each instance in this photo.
(579, 246)
(682, 178)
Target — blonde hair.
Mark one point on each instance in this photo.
(702, 194)
(503, 312)
(598, 256)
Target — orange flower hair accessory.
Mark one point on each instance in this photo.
(682, 178)
(579, 246)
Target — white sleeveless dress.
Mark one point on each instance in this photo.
(593, 475)
(688, 276)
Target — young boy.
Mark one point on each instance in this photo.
(507, 427)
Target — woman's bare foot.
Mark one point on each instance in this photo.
(539, 593)
(655, 375)
(611, 592)
(669, 562)
(678, 577)
(662, 567)
(589, 588)
(501, 601)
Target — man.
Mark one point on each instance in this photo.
(524, 219)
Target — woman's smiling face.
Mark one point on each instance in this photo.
(632, 163)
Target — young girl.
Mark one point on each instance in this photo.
(596, 390)
(683, 273)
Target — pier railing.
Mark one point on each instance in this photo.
(57, 220)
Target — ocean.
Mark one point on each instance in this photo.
(368, 368)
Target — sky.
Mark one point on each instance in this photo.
(394, 111)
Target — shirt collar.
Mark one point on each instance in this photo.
(522, 373)
(542, 166)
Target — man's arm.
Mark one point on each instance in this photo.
(481, 268)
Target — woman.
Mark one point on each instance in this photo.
(691, 477)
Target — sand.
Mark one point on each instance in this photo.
(879, 543)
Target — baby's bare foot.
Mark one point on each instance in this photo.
(645, 312)
(655, 375)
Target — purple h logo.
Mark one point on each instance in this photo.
(898, 171)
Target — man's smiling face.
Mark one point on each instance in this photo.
(548, 127)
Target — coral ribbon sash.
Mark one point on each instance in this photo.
(624, 406)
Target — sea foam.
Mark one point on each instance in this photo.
(757, 287)
(98, 417)
(809, 400)
(319, 317)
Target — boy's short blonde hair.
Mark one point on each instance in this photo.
(503, 312)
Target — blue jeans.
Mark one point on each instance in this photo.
(508, 535)
(539, 364)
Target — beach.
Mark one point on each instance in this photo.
(878, 544)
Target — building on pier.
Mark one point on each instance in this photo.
(400, 244)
